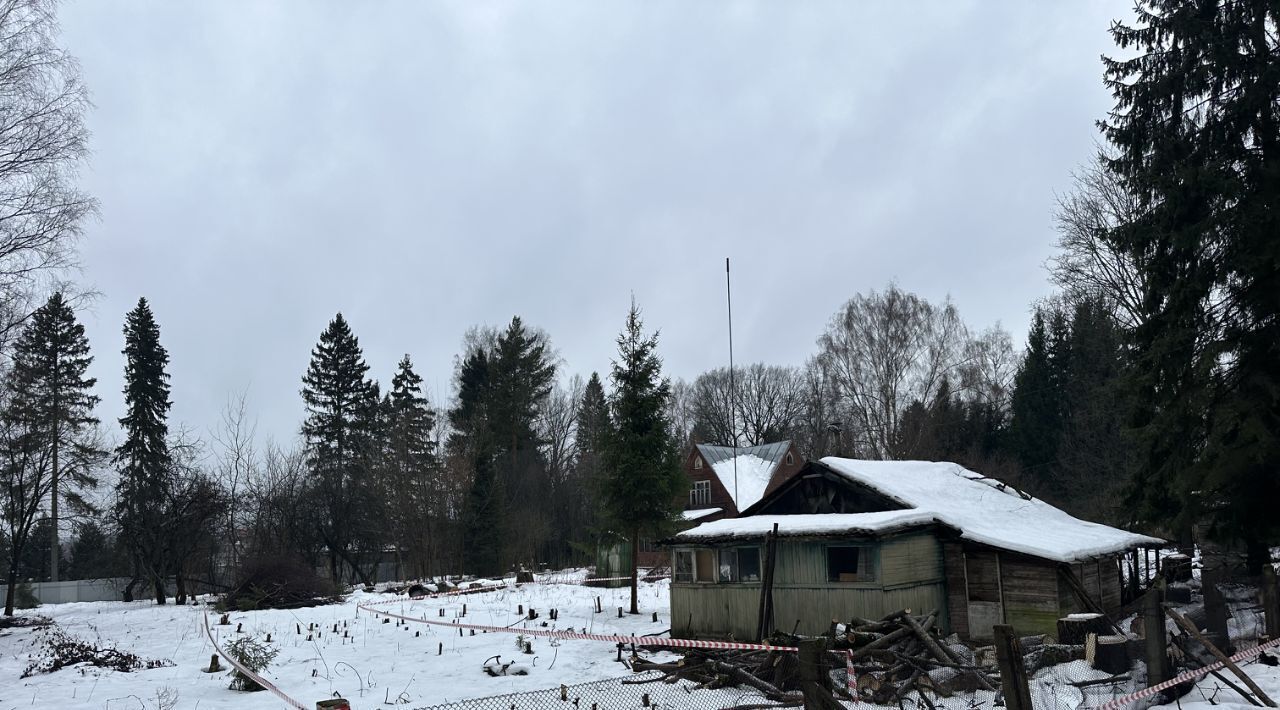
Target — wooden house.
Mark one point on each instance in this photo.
(866, 538)
(724, 481)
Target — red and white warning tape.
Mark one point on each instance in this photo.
(610, 638)
(256, 678)
(1189, 675)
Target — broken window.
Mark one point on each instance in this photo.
(848, 564)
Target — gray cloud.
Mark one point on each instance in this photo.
(424, 167)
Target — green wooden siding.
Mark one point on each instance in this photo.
(908, 573)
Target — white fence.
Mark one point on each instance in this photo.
(77, 590)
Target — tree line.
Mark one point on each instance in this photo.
(1146, 393)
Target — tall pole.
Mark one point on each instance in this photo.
(733, 424)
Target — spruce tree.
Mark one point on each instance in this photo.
(642, 464)
(485, 516)
(1197, 132)
(51, 395)
(143, 459)
(592, 434)
(411, 463)
(341, 438)
(1036, 425)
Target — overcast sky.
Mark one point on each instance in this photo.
(425, 167)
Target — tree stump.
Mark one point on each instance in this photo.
(1109, 654)
(1178, 594)
(1177, 568)
(1073, 629)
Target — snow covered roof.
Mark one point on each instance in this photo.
(698, 514)
(987, 511)
(811, 525)
(754, 469)
(981, 509)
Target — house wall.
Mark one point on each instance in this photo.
(908, 575)
(1100, 579)
(1031, 593)
(1030, 589)
(720, 497)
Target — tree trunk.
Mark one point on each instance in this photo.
(180, 590)
(635, 576)
(157, 583)
(55, 551)
(13, 582)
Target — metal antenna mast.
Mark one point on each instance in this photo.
(733, 424)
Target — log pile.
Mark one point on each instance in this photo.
(892, 658)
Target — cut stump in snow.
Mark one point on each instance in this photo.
(1075, 628)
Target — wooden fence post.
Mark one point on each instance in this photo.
(1013, 672)
(1157, 645)
(1271, 601)
(764, 621)
(815, 677)
(1215, 607)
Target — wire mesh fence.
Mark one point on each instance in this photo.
(646, 690)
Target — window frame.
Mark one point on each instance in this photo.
(867, 572)
(700, 493)
(676, 575)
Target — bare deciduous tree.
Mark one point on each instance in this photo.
(43, 141)
(883, 351)
(237, 466)
(759, 404)
(1090, 260)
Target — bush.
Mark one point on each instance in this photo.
(252, 654)
(278, 582)
(24, 598)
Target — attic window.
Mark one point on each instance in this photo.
(697, 463)
(849, 564)
(700, 494)
(790, 459)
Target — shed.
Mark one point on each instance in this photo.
(866, 538)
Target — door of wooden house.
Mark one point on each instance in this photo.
(982, 578)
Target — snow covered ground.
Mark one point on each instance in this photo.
(366, 661)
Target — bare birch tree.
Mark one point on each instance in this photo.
(43, 142)
(237, 467)
(1089, 261)
(883, 351)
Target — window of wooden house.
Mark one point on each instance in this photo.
(738, 564)
(697, 463)
(683, 566)
(704, 565)
(728, 566)
(790, 460)
(700, 494)
(849, 564)
(749, 564)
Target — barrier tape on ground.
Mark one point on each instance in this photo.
(610, 638)
(1189, 675)
(256, 678)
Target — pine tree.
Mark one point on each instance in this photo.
(341, 437)
(1197, 132)
(643, 473)
(592, 434)
(51, 395)
(143, 460)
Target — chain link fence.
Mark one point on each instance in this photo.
(646, 690)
